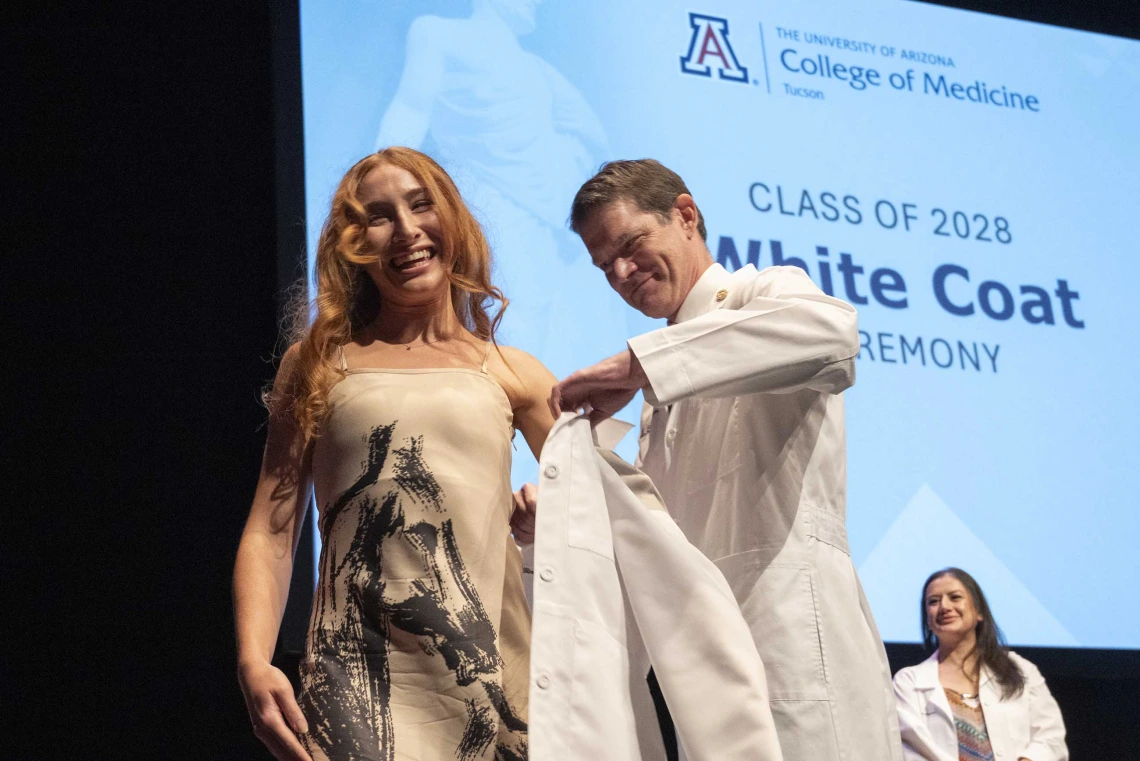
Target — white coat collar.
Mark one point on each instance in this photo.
(926, 675)
(703, 296)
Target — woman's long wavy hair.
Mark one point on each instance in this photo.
(991, 649)
(347, 300)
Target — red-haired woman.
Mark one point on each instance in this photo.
(973, 698)
(398, 407)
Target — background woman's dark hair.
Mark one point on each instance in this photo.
(991, 647)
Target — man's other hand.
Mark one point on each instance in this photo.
(605, 387)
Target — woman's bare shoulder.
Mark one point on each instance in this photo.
(524, 377)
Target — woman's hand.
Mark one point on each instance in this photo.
(276, 717)
(522, 520)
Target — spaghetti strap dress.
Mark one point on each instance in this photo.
(419, 635)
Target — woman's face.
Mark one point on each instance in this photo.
(404, 231)
(950, 610)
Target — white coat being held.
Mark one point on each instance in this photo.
(743, 435)
(1028, 725)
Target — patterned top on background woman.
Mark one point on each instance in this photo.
(973, 739)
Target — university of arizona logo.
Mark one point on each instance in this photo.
(709, 48)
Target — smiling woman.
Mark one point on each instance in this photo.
(973, 698)
(397, 407)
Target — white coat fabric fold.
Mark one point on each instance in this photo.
(743, 435)
(617, 587)
(1027, 726)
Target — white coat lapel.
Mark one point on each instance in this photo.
(926, 681)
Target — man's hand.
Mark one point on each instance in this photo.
(522, 520)
(606, 387)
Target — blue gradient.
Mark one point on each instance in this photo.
(1023, 470)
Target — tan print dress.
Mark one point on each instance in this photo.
(418, 644)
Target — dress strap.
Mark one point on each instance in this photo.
(343, 359)
(486, 357)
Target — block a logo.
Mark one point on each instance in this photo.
(709, 48)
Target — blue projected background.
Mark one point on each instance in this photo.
(971, 183)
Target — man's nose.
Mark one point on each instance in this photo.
(623, 268)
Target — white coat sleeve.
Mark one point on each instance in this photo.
(917, 741)
(792, 337)
(1047, 728)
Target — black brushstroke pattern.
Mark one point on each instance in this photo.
(479, 732)
(378, 442)
(346, 677)
(412, 474)
(461, 633)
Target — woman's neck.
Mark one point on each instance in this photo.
(421, 323)
(962, 654)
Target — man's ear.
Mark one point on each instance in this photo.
(690, 217)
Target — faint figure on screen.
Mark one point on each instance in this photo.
(522, 138)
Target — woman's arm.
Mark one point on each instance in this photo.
(528, 384)
(1047, 728)
(262, 572)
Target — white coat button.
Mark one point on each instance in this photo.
(543, 682)
(672, 434)
(551, 471)
(546, 574)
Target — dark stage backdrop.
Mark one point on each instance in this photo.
(153, 217)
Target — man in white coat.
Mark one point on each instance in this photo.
(743, 435)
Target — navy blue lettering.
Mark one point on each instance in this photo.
(883, 281)
(827, 201)
(865, 343)
(752, 196)
(912, 350)
(850, 270)
(1006, 310)
(1067, 298)
(949, 352)
(884, 346)
(1039, 310)
(940, 275)
(964, 354)
(993, 356)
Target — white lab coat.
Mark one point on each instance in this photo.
(617, 587)
(1027, 726)
(743, 435)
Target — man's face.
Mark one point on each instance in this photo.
(651, 264)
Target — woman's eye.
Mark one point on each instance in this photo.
(421, 205)
(377, 219)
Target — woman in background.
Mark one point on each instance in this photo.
(973, 698)
(398, 407)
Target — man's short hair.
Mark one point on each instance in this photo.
(649, 185)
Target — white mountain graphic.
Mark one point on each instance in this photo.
(927, 536)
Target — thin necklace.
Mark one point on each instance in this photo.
(409, 346)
